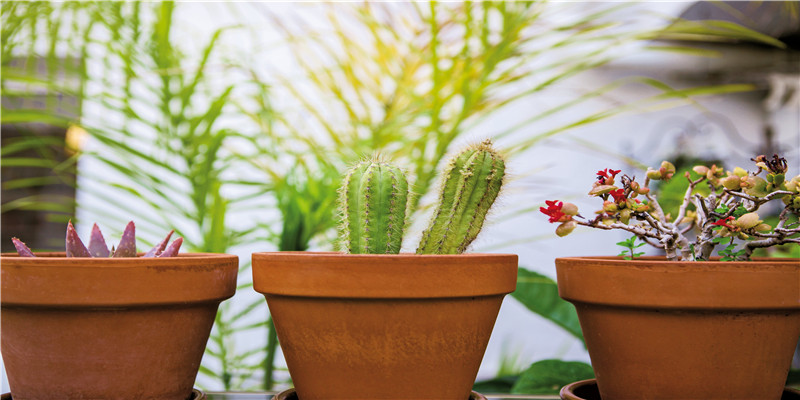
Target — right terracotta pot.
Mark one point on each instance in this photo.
(658, 329)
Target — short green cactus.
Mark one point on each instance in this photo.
(374, 198)
(472, 181)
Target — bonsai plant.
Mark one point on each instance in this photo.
(374, 323)
(105, 324)
(688, 325)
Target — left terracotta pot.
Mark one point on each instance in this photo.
(383, 326)
(127, 328)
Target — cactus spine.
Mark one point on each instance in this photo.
(471, 183)
(373, 200)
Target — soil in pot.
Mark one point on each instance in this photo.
(196, 395)
(291, 394)
(587, 390)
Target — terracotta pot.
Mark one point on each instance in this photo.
(127, 328)
(587, 390)
(686, 330)
(362, 326)
(291, 394)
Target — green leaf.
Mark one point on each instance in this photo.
(549, 376)
(627, 243)
(793, 379)
(502, 384)
(540, 294)
(739, 211)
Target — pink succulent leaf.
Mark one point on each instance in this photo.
(127, 244)
(173, 248)
(97, 244)
(22, 249)
(75, 247)
(156, 251)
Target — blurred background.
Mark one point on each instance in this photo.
(231, 123)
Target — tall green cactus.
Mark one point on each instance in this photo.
(374, 198)
(471, 183)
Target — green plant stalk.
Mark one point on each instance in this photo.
(374, 199)
(472, 181)
(269, 359)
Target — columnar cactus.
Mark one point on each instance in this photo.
(374, 198)
(472, 181)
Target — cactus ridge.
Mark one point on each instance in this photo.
(471, 184)
(373, 200)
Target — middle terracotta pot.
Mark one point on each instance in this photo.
(363, 326)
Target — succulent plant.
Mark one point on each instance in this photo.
(373, 201)
(726, 216)
(472, 181)
(97, 245)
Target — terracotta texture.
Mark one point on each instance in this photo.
(383, 326)
(686, 330)
(125, 328)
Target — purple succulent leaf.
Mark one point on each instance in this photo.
(127, 244)
(97, 244)
(173, 248)
(22, 249)
(156, 251)
(74, 245)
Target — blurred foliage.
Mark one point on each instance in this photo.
(549, 376)
(544, 377)
(539, 294)
(186, 140)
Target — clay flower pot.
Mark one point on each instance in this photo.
(99, 328)
(363, 326)
(660, 329)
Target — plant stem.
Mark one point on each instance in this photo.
(269, 361)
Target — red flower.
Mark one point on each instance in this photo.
(553, 210)
(618, 195)
(724, 222)
(603, 175)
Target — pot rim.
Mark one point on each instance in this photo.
(661, 260)
(318, 254)
(386, 276)
(52, 280)
(60, 257)
(652, 282)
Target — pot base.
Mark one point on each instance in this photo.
(196, 395)
(587, 390)
(290, 394)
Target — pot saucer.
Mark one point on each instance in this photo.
(587, 390)
(290, 394)
(196, 395)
